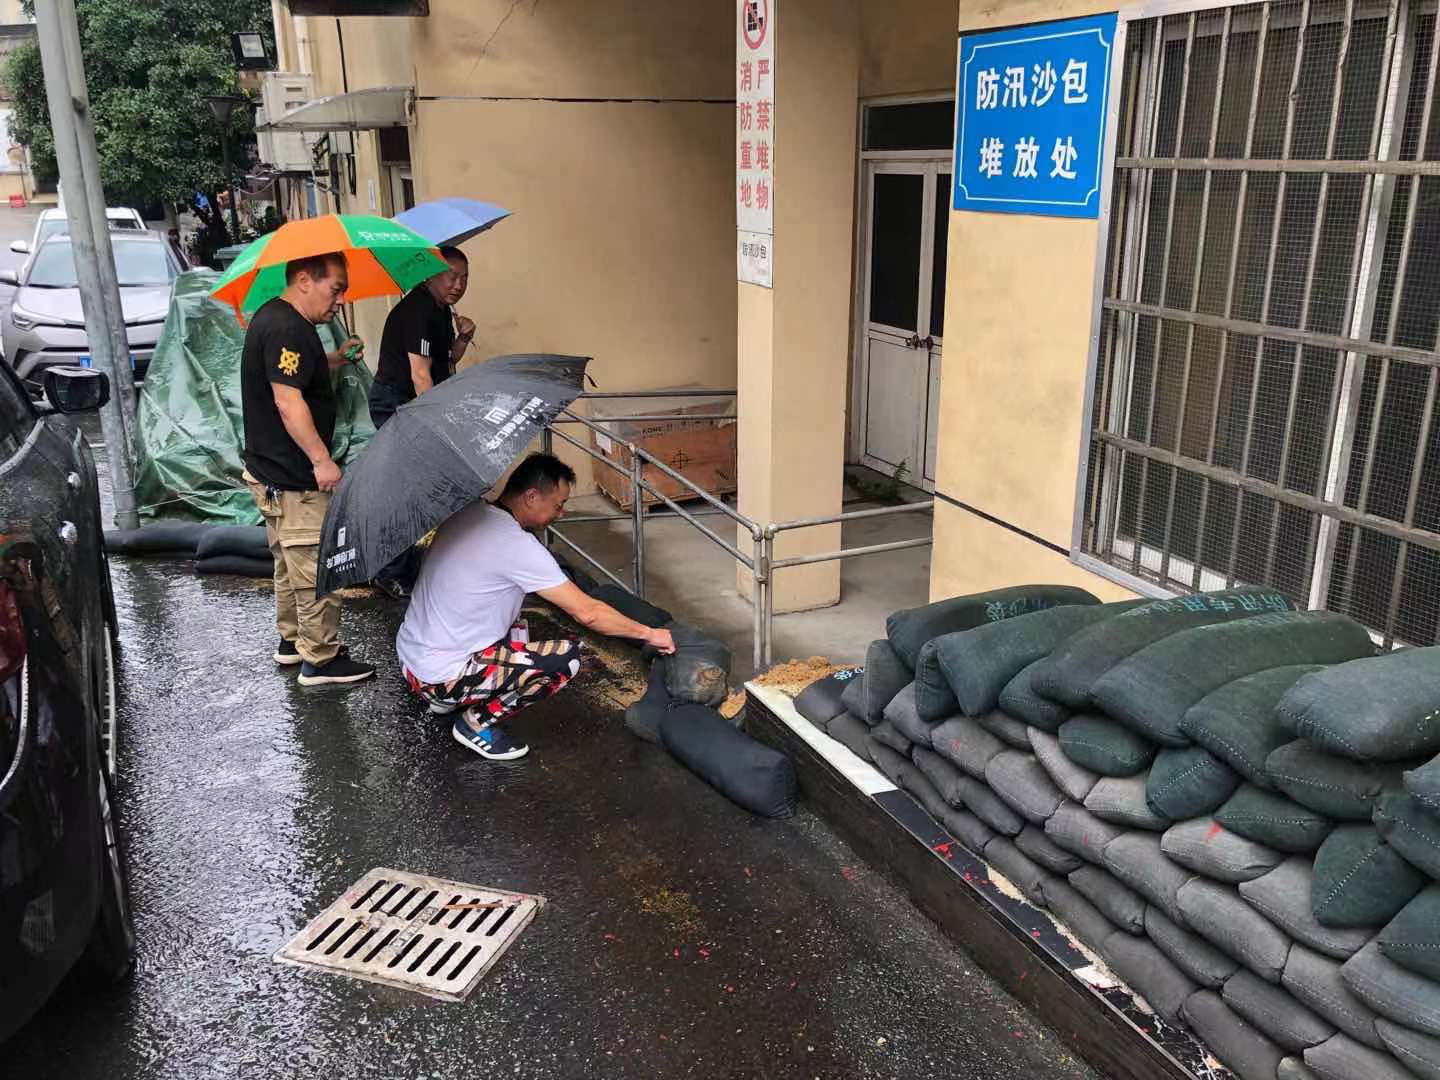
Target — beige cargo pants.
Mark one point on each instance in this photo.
(292, 525)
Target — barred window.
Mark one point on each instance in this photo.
(1265, 382)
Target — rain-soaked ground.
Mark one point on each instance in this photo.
(682, 936)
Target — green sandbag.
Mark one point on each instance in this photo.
(1283, 897)
(1378, 709)
(1070, 778)
(1238, 1045)
(1208, 848)
(1008, 860)
(1021, 781)
(1044, 852)
(1342, 1058)
(1187, 783)
(1360, 880)
(968, 829)
(1082, 918)
(1417, 1052)
(1423, 784)
(1191, 953)
(1412, 937)
(1005, 728)
(1237, 722)
(1392, 991)
(1408, 829)
(901, 715)
(1218, 914)
(1274, 820)
(893, 764)
(978, 663)
(851, 733)
(1080, 832)
(1072, 670)
(910, 629)
(1273, 1011)
(945, 776)
(932, 690)
(1316, 982)
(1123, 907)
(1149, 972)
(886, 735)
(885, 676)
(1136, 860)
(964, 743)
(981, 802)
(1020, 700)
(1151, 690)
(1122, 802)
(1101, 745)
(1337, 787)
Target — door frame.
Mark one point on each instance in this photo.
(913, 162)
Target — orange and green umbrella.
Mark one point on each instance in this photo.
(384, 258)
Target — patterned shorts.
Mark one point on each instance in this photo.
(499, 681)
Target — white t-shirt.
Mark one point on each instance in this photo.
(471, 588)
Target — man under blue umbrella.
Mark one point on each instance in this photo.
(422, 342)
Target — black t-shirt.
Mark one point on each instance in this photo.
(419, 325)
(281, 346)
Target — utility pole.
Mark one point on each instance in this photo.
(74, 131)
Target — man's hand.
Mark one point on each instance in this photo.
(327, 475)
(662, 642)
(340, 357)
(464, 328)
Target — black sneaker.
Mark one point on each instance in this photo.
(287, 654)
(491, 742)
(341, 669)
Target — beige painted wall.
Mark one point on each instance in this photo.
(907, 46)
(1019, 294)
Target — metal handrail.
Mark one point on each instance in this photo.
(762, 564)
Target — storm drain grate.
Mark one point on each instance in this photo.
(419, 933)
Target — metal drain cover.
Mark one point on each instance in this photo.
(419, 933)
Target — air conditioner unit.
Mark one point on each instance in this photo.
(283, 92)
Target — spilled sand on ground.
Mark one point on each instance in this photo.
(795, 675)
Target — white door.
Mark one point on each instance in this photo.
(902, 316)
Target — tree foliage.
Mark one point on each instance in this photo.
(149, 67)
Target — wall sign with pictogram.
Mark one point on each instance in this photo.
(755, 139)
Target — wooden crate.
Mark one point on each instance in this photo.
(702, 451)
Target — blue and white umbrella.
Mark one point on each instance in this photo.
(451, 221)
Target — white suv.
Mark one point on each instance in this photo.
(54, 221)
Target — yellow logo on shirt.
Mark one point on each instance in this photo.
(289, 361)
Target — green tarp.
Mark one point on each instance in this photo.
(189, 416)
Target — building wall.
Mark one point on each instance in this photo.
(907, 47)
(1019, 293)
(611, 140)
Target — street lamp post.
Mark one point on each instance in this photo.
(222, 105)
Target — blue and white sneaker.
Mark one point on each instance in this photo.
(491, 742)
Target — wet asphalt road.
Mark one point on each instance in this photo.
(683, 937)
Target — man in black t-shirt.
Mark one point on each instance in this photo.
(421, 344)
(419, 348)
(288, 404)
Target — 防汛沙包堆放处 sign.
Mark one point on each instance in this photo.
(1030, 121)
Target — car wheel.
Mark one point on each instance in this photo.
(111, 952)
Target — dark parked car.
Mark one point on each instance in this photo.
(63, 886)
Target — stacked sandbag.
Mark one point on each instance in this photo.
(240, 550)
(1236, 804)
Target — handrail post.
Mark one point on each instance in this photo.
(759, 587)
(637, 493)
(769, 542)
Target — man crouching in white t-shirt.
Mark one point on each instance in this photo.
(459, 643)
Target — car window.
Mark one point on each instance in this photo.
(16, 415)
(138, 261)
(48, 229)
(125, 223)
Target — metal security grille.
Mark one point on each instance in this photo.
(1265, 392)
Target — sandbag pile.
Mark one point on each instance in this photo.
(1234, 803)
(241, 550)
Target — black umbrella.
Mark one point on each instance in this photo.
(437, 455)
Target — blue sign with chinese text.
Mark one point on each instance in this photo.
(1030, 126)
